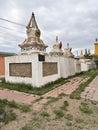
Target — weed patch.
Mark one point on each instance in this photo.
(62, 95)
(69, 123)
(6, 115)
(69, 117)
(26, 127)
(25, 108)
(59, 113)
(79, 120)
(52, 99)
(44, 114)
(81, 126)
(9, 116)
(65, 105)
(85, 108)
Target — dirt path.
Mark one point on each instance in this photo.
(20, 97)
(91, 92)
(67, 88)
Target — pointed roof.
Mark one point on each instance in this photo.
(32, 22)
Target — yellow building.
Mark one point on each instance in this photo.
(96, 48)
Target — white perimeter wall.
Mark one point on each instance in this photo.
(87, 64)
(66, 68)
(37, 79)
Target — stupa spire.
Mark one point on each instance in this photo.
(56, 39)
(67, 45)
(32, 22)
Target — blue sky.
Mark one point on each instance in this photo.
(73, 21)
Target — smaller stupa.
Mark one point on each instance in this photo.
(67, 52)
(33, 43)
(89, 53)
(81, 55)
(57, 49)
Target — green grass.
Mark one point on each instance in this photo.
(62, 95)
(85, 108)
(35, 123)
(6, 115)
(9, 116)
(91, 74)
(69, 123)
(79, 120)
(33, 90)
(69, 117)
(52, 99)
(26, 127)
(38, 99)
(13, 104)
(77, 74)
(65, 105)
(81, 126)
(6, 110)
(5, 102)
(25, 108)
(44, 114)
(59, 113)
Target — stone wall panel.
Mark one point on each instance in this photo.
(20, 69)
(49, 68)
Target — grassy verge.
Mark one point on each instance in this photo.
(91, 74)
(13, 104)
(32, 90)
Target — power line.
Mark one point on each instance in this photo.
(6, 39)
(19, 31)
(10, 29)
(17, 24)
(12, 22)
(23, 32)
